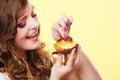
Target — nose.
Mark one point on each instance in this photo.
(34, 24)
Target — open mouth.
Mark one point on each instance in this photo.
(34, 36)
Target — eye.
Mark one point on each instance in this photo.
(21, 24)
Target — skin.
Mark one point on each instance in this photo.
(27, 37)
(77, 65)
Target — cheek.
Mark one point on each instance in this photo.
(20, 42)
(17, 40)
(19, 37)
(21, 33)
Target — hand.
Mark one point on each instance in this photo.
(61, 28)
(60, 70)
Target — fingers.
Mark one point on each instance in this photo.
(58, 62)
(70, 63)
(57, 32)
(78, 54)
(61, 28)
(68, 20)
(71, 58)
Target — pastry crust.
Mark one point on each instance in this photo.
(64, 47)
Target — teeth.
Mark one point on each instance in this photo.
(33, 35)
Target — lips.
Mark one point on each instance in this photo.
(33, 37)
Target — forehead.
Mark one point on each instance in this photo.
(26, 10)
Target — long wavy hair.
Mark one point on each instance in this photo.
(15, 66)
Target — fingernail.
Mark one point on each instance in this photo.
(75, 50)
(67, 24)
(59, 39)
(65, 28)
(70, 23)
(65, 36)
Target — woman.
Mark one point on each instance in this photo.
(21, 52)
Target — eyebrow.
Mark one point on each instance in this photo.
(24, 16)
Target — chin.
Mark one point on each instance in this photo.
(33, 46)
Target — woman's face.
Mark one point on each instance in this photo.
(27, 30)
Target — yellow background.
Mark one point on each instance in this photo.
(96, 28)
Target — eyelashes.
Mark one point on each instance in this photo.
(34, 15)
(21, 24)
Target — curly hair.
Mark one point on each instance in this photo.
(16, 66)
